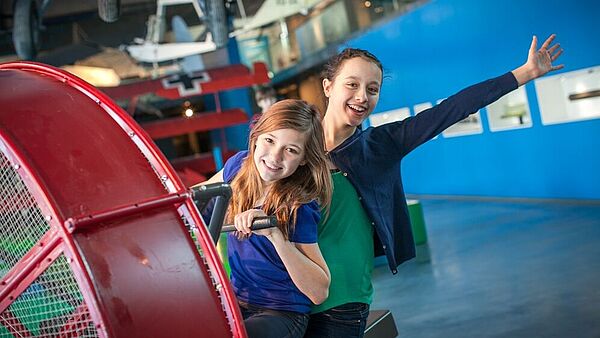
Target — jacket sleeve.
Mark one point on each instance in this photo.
(416, 130)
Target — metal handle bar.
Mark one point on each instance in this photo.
(257, 224)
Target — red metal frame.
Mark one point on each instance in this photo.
(47, 205)
(57, 194)
(29, 268)
(87, 221)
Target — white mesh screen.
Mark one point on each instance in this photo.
(21, 221)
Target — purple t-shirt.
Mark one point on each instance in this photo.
(258, 275)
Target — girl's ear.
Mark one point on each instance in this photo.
(327, 87)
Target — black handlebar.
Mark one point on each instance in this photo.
(221, 193)
(257, 224)
(206, 192)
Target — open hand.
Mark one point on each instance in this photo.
(540, 62)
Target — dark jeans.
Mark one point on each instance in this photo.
(343, 321)
(266, 323)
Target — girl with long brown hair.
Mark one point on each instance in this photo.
(279, 273)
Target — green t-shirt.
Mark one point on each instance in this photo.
(346, 241)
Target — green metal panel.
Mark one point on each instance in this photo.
(417, 222)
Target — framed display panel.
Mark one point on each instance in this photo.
(468, 126)
(419, 107)
(511, 111)
(569, 97)
(389, 116)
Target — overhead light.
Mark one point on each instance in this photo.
(96, 76)
(189, 112)
(367, 4)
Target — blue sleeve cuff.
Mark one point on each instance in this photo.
(509, 80)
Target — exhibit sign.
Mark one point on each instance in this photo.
(511, 111)
(468, 126)
(389, 116)
(569, 97)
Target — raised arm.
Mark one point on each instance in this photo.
(414, 131)
(539, 62)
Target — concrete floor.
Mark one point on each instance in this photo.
(499, 269)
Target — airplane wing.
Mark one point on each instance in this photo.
(273, 10)
(196, 83)
(154, 52)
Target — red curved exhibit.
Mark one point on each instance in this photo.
(95, 225)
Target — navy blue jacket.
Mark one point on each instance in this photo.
(371, 161)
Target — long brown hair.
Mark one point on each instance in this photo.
(309, 182)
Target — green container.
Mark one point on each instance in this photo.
(417, 222)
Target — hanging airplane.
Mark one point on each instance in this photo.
(153, 49)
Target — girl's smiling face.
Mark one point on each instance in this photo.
(354, 91)
(278, 154)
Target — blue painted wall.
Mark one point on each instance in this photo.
(237, 136)
(446, 45)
